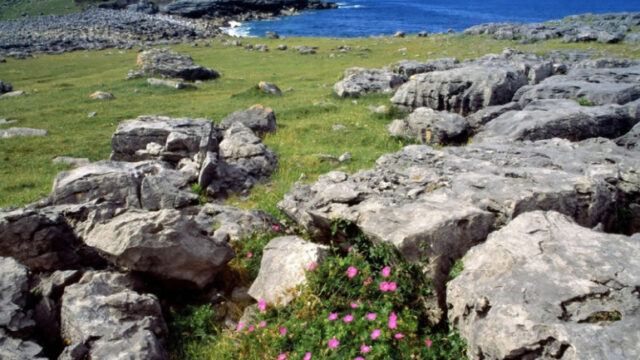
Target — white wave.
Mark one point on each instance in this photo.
(239, 31)
(234, 24)
(350, 6)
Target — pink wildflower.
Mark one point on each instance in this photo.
(262, 305)
(348, 318)
(386, 271)
(371, 316)
(384, 286)
(354, 305)
(275, 227)
(333, 343)
(392, 286)
(392, 320)
(359, 358)
(249, 255)
(364, 349)
(333, 316)
(282, 356)
(262, 324)
(399, 335)
(307, 356)
(283, 330)
(367, 281)
(375, 334)
(312, 266)
(252, 328)
(240, 326)
(428, 342)
(351, 272)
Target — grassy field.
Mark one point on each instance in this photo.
(15, 9)
(58, 89)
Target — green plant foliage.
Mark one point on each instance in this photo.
(342, 308)
(585, 102)
(457, 268)
(249, 255)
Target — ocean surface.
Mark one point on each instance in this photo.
(360, 18)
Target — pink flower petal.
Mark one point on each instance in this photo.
(386, 271)
(333, 316)
(392, 286)
(262, 324)
(364, 349)
(375, 334)
(307, 356)
(392, 320)
(428, 342)
(312, 266)
(240, 326)
(275, 227)
(282, 356)
(252, 328)
(348, 318)
(399, 336)
(354, 305)
(359, 358)
(371, 316)
(333, 343)
(262, 305)
(351, 272)
(283, 330)
(384, 286)
(367, 281)
(249, 255)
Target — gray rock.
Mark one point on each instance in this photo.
(268, 88)
(102, 95)
(170, 83)
(546, 119)
(18, 349)
(178, 138)
(431, 127)
(305, 50)
(42, 240)
(600, 86)
(5, 87)
(258, 118)
(630, 140)
(344, 157)
(20, 131)
(247, 161)
(285, 261)
(435, 204)
(233, 223)
(361, 81)
(105, 313)
(282, 47)
(70, 161)
(75, 351)
(483, 116)
(399, 34)
(548, 288)
(166, 244)
(410, 67)
(92, 114)
(12, 94)
(462, 90)
(632, 38)
(7, 122)
(2, 60)
(602, 63)
(208, 170)
(423, 34)
(338, 127)
(14, 294)
(172, 64)
(271, 35)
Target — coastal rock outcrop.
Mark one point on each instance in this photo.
(361, 81)
(259, 119)
(431, 127)
(218, 8)
(285, 261)
(546, 287)
(104, 313)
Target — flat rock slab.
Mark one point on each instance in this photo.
(170, 83)
(18, 349)
(14, 294)
(12, 94)
(20, 131)
(409, 68)
(545, 287)
(360, 81)
(431, 127)
(546, 119)
(102, 95)
(630, 140)
(285, 261)
(435, 204)
(233, 223)
(105, 312)
(600, 86)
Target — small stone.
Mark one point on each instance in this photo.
(282, 47)
(399, 34)
(102, 95)
(6, 122)
(268, 88)
(12, 94)
(93, 114)
(345, 157)
(170, 83)
(423, 34)
(272, 35)
(338, 127)
(18, 131)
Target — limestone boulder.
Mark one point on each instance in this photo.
(545, 287)
(104, 312)
(361, 81)
(227, 222)
(285, 261)
(431, 127)
(21, 131)
(409, 68)
(258, 118)
(167, 244)
(461, 90)
(630, 140)
(14, 295)
(172, 64)
(12, 348)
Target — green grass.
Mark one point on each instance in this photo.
(59, 86)
(14, 9)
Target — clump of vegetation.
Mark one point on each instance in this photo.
(360, 303)
(585, 102)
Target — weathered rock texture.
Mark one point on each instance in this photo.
(172, 64)
(104, 312)
(285, 261)
(218, 8)
(20, 131)
(431, 127)
(409, 68)
(258, 118)
(436, 204)
(545, 287)
(14, 293)
(361, 81)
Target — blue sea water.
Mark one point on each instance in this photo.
(359, 18)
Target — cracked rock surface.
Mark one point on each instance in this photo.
(545, 287)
